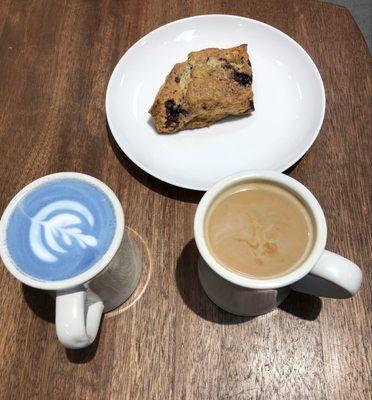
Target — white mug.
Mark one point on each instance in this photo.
(81, 300)
(323, 273)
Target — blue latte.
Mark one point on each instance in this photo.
(60, 229)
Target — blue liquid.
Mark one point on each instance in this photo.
(60, 229)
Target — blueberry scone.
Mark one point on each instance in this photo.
(210, 85)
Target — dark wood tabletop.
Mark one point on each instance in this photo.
(171, 342)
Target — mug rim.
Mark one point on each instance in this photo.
(84, 276)
(285, 181)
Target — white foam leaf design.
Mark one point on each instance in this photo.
(60, 231)
(66, 238)
(51, 233)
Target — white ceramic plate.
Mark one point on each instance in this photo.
(288, 96)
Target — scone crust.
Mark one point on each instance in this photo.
(212, 84)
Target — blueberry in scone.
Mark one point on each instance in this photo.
(210, 85)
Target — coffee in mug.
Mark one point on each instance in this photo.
(259, 229)
(260, 235)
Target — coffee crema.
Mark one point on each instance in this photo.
(259, 230)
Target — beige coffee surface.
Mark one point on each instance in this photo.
(259, 230)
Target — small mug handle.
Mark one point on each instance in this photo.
(333, 276)
(78, 316)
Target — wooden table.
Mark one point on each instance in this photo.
(173, 343)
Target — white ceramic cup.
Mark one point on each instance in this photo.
(81, 300)
(323, 273)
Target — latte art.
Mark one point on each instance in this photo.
(64, 226)
(60, 229)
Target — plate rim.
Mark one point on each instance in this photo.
(202, 16)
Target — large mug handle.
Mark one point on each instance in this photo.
(78, 316)
(333, 276)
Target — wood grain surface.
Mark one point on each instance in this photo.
(55, 61)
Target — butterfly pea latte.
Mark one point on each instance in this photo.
(60, 229)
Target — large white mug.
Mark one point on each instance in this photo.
(323, 273)
(81, 299)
